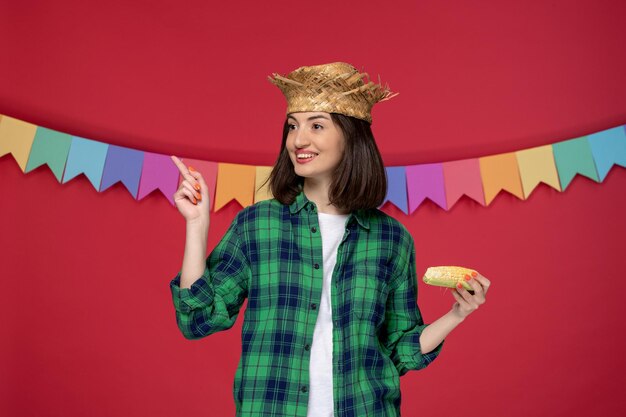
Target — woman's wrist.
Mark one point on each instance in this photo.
(198, 223)
(455, 316)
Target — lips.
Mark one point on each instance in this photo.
(302, 157)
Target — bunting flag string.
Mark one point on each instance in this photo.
(480, 179)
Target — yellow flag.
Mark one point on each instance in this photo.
(262, 173)
(537, 165)
(16, 137)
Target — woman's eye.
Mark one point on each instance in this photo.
(290, 127)
(317, 124)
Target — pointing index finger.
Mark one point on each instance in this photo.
(179, 164)
(183, 170)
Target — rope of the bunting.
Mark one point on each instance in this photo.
(444, 183)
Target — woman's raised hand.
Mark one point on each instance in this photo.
(466, 302)
(192, 196)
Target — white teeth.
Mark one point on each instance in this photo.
(306, 155)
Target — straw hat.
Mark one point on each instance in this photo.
(332, 88)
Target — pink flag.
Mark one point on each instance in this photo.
(208, 170)
(463, 177)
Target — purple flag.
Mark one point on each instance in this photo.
(122, 164)
(396, 188)
(159, 172)
(425, 181)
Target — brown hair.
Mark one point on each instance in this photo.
(359, 181)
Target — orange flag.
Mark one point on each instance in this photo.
(234, 181)
(500, 172)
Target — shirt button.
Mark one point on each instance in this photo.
(313, 229)
(307, 347)
(313, 306)
(316, 266)
(304, 388)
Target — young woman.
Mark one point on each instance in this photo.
(332, 320)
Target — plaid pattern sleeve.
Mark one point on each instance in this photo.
(213, 301)
(403, 317)
(272, 254)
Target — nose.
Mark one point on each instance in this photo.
(301, 139)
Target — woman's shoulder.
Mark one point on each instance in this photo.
(262, 211)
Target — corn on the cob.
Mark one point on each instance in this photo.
(448, 276)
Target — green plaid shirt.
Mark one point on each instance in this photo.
(272, 254)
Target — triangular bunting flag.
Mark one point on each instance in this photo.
(463, 177)
(51, 148)
(425, 181)
(396, 188)
(500, 172)
(261, 190)
(158, 172)
(122, 164)
(234, 181)
(608, 147)
(537, 165)
(86, 157)
(16, 138)
(574, 157)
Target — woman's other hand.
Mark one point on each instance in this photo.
(466, 302)
(192, 196)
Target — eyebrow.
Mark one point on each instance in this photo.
(319, 116)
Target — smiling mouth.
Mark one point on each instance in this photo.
(306, 156)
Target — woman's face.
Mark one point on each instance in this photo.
(318, 141)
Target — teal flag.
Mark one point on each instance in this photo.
(49, 147)
(574, 157)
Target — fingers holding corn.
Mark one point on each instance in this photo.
(469, 287)
(448, 276)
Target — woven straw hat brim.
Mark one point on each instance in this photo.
(333, 88)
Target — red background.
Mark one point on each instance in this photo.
(88, 326)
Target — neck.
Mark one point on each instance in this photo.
(317, 192)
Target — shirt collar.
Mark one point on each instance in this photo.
(302, 201)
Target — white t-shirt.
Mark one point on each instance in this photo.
(321, 404)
